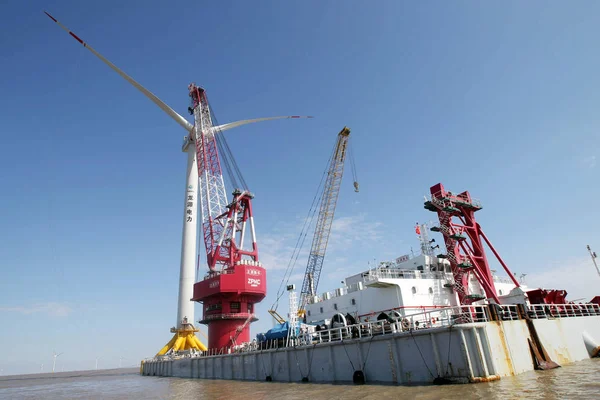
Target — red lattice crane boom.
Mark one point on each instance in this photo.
(464, 243)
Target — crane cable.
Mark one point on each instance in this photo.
(226, 156)
(303, 233)
(352, 164)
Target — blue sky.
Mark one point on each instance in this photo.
(498, 100)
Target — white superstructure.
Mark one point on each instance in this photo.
(406, 286)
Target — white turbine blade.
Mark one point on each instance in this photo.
(178, 118)
(232, 125)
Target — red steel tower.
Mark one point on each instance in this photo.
(229, 295)
(464, 243)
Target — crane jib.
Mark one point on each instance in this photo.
(328, 203)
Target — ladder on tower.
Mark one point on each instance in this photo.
(293, 318)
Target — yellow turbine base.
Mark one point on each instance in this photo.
(184, 339)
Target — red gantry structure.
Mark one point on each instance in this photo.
(236, 279)
(464, 243)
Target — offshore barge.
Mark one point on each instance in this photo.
(412, 320)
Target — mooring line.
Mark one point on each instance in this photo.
(298, 362)
(449, 341)
(348, 355)
(423, 358)
(368, 350)
(272, 361)
(312, 353)
(263, 364)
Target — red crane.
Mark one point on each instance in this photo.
(236, 280)
(464, 243)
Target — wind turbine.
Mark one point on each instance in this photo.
(97, 358)
(214, 195)
(54, 356)
(121, 358)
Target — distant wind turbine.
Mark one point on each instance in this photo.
(55, 356)
(97, 358)
(120, 360)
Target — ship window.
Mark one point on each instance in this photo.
(335, 306)
(308, 313)
(500, 292)
(414, 290)
(321, 309)
(430, 290)
(353, 302)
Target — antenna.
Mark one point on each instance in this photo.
(425, 243)
(522, 278)
(594, 256)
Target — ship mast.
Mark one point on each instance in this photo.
(425, 243)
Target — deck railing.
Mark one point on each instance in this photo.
(550, 311)
(435, 318)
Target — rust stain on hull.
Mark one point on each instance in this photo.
(507, 357)
(480, 379)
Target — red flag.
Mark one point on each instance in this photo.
(418, 229)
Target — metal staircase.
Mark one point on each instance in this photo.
(464, 243)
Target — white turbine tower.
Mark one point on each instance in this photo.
(184, 329)
(54, 356)
(97, 358)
